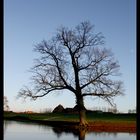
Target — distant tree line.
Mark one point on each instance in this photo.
(5, 105)
(132, 111)
(106, 109)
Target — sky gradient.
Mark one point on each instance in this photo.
(28, 22)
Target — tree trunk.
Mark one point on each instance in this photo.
(82, 112)
(82, 117)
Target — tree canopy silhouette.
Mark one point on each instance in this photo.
(75, 59)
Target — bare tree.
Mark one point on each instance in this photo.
(75, 60)
(6, 106)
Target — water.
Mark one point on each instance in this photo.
(14, 130)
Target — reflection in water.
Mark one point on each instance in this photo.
(82, 133)
(60, 131)
(6, 123)
(44, 132)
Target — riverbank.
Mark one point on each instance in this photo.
(97, 122)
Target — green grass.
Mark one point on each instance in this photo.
(111, 117)
(91, 117)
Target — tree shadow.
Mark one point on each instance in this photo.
(80, 133)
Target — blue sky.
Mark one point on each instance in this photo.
(28, 22)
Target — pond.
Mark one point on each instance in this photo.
(14, 130)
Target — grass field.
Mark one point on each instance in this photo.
(91, 117)
(97, 121)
